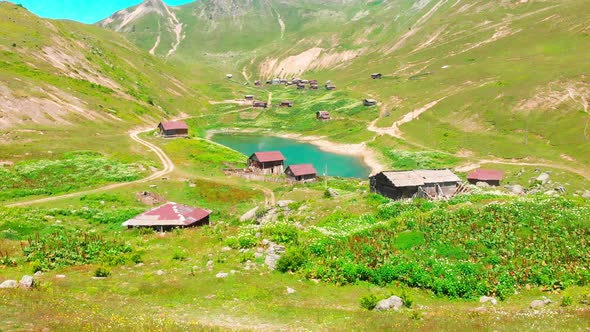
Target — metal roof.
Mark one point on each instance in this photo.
(302, 169)
(268, 156)
(169, 214)
(172, 125)
(486, 175)
(420, 177)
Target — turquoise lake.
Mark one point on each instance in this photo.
(297, 153)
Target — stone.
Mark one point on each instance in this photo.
(271, 261)
(482, 184)
(258, 254)
(98, 278)
(516, 189)
(394, 302)
(250, 215)
(539, 303)
(160, 272)
(221, 275)
(9, 284)
(290, 290)
(60, 276)
(485, 299)
(333, 192)
(225, 249)
(550, 193)
(284, 203)
(27, 281)
(560, 189)
(38, 273)
(586, 194)
(543, 177)
(139, 265)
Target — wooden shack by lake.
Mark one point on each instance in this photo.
(268, 162)
(171, 129)
(301, 172)
(431, 184)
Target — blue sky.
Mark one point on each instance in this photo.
(86, 11)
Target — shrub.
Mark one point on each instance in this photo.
(566, 301)
(7, 260)
(180, 255)
(407, 298)
(369, 302)
(292, 260)
(102, 272)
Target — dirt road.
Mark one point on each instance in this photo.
(134, 135)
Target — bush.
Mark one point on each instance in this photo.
(369, 302)
(566, 301)
(102, 272)
(407, 298)
(292, 260)
(179, 255)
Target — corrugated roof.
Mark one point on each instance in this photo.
(169, 214)
(302, 169)
(268, 156)
(172, 125)
(486, 175)
(420, 177)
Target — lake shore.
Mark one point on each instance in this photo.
(360, 150)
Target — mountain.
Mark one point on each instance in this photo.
(467, 70)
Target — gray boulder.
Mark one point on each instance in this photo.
(250, 215)
(271, 261)
(160, 272)
(284, 203)
(333, 192)
(482, 184)
(539, 303)
(516, 189)
(221, 275)
(9, 284)
(393, 302)
(27, 282)
(485, 299)
(543, 178)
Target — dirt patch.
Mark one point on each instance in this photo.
(313, 58)
(150, 199)
(555, 94)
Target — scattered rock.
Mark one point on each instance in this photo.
(394, 302)
(225, 249)
(560, 189)
(539, 303)
(271, 261)
(485, 299)
(210, 297)
(139, 265)
(98, 278)
(284, 203)
(160, 272)
(60, 276)
(250, 215)
(38, 273)
(221, 275)
(550, 193)
(258, 254)
(482, 184)
(516, 189)
(265, 242)
(586, 194)
(290, 290)
(333, 192)
(27, 281)
(9, 284)
(543, 177)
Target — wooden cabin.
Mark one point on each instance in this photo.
(376, 76)
(249, 97)
(302, 172)
(313, 82)
(492, 177)
(330, 87)
(300, 86)
(229, 76)
(313, 86)
(173, 129)
(260, 104)
(286, 103)
(169, 216)
(258, 83)
(270, 162)
(432, 184)
(369, 102)
(322, 115)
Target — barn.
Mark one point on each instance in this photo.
(322, 115)
(173, 129)
(492, 177)
(270, 162)
(432, 184)
(169, 216)
(301, 172)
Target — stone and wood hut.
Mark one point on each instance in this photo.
(169, 216)
(286, 103)
(330, 87)
(322, 115)
(260, 104)
(270, 162)
(173, 129)
(369, 102)
(432, 184)
(302, 172)
(490, 176)
(249, 97)
(376, 76)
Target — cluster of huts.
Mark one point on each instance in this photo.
(273, 162)
(430, 184)
(300, 83)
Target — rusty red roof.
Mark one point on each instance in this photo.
(486, 175)
(172, 125)
(169, 214)
(265, 157)
(302, 169)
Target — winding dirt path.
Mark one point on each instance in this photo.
(394, 129)
(134, 135)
